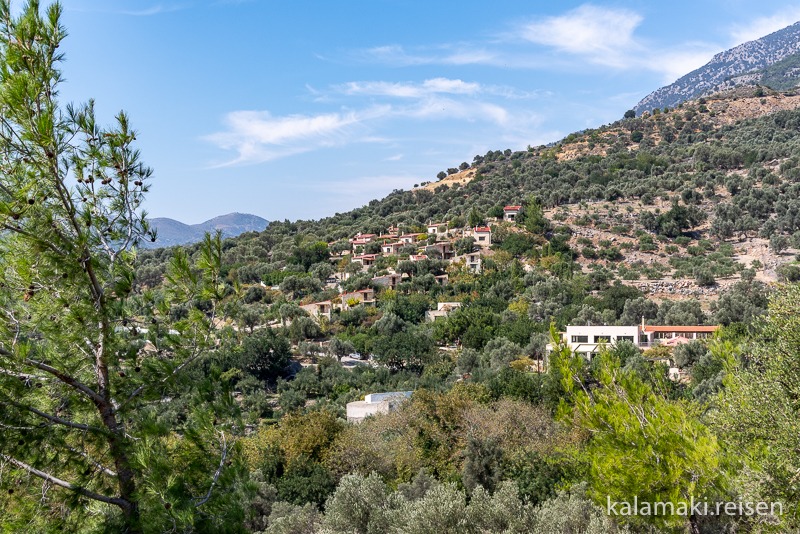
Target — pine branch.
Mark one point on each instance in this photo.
(53, 418)
(67, 379)
(207, 496)
(67, 485)
(21, 376)
(95, 463)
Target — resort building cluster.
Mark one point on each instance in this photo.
(438, 242)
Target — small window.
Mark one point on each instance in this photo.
(602, 339)
(625, 338)
(580, 339)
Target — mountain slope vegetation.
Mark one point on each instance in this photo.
(170, 232)
(208, 387)
(749, 63)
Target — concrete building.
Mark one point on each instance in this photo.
(375, 403)
(587, 340)
(388, 280)
(390, 249)
(319, 309)
(437, 229)
(443, 309)
(443, 250)
(362, 296)
(472, 261)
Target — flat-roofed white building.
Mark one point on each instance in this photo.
(375, 403)
(443, 309)
(588, 339)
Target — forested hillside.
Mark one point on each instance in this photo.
(707, 188)
(211, 388)
(684, 216)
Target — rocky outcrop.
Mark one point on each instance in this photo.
(726, 69)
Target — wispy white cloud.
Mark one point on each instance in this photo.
(447, 54)
(157, 9)
(606, 36)
(674, 63)
(589, 35)
(426, 88)
(257, 136)
(603, 35)
(396, 157)
(410, 90)
(448, 108)
(762, 26)
(154, 10)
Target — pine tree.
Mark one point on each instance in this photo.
(87, 366)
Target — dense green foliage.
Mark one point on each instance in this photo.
(194, 389)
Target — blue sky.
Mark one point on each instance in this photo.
(300, 109)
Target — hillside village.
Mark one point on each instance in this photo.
(438, 242)
(540, 333)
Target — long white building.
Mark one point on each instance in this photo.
(587, 340)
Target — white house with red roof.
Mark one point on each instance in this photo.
(408, 239)
(367, 260)
(510, 213)
(482, 236)
(360, 240)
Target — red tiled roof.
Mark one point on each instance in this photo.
(509, 208)
(483, 229)
(649, 328)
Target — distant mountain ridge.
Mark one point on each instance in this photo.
(171, 232)
(746, 64)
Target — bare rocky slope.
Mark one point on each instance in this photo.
(745, 64)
